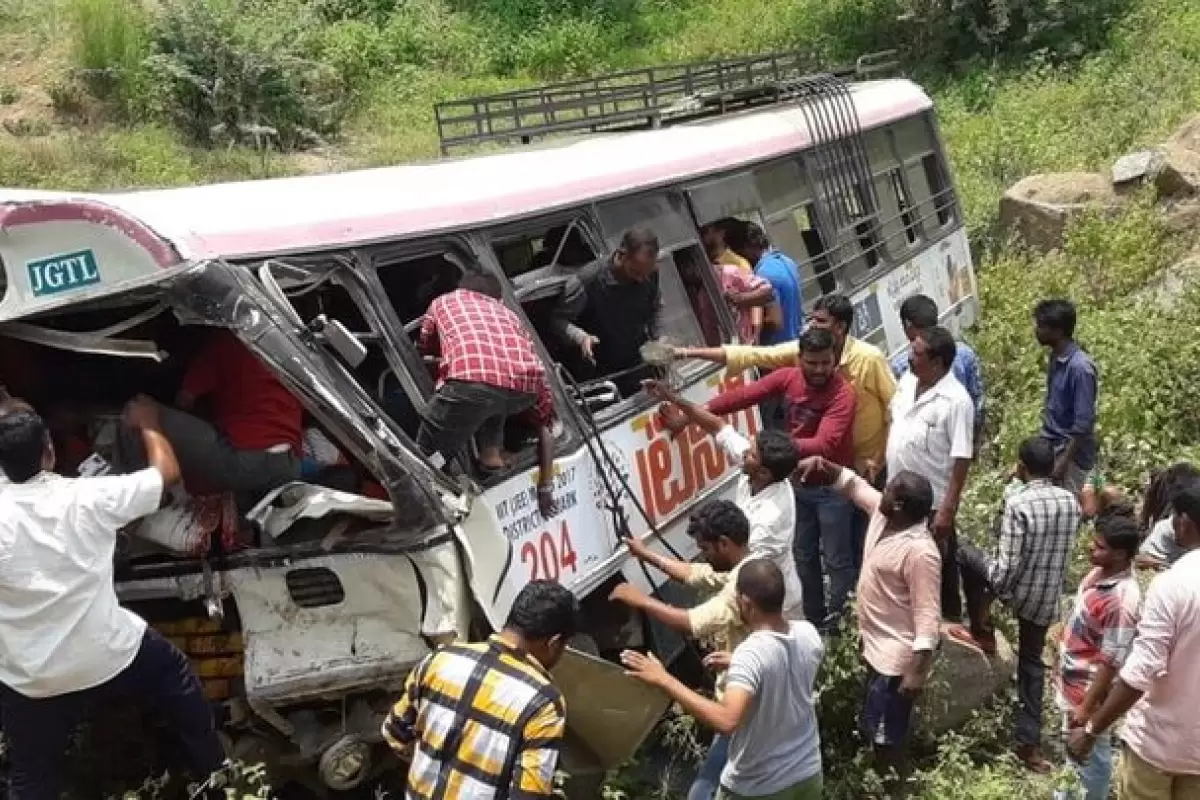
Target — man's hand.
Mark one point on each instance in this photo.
(719, 661)
(142, 413)
(943, 523)
(628, 594)
(1080, 744)
(644, 667)
(817, 470)
(587, 346)
(637, 548)
(659, 390)
(673, 419)
(870, 471)
(1077, 717)
(913, 683)
(545, 500)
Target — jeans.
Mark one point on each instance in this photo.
(824, 533)
(708, 779)
(952, 604)
(460, 410)
(39, 729)
(1096, 773)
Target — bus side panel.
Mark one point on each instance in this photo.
(580, 546)
(943, 272)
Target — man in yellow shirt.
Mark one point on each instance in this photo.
(863, 364)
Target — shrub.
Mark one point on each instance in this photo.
(218, 80)
(110, 42)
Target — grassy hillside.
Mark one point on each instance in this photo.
(108, 93)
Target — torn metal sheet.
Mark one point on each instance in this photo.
(89, 343)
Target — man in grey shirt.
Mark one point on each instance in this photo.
(767, 707)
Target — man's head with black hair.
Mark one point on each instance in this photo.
(760, 591)
(636, 257)
(931, 354)
(25, 446)
(818, 356)
(1163, 487)
(918, 313)
(544, 616)
(1117, 538)
(722, 532)
(715, 236)
(1035, 459)
(907, 500)
(1187, 517)
(833, 313)
(752, 241)
(772, 458)
(482, 283)
(1054, 322)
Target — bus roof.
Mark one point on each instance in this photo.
(324, 212)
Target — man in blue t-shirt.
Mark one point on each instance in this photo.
(784, 276)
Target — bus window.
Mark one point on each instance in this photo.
(563, 245)
(925, 172)
(897, 216)
(859, 246)
(795, 233)
(667, 216)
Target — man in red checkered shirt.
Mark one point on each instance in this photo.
(489, 370)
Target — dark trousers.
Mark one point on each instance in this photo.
(952, 604)
(824, 538)
(1031, 642)
(38, 729)
(209, 462)
(460, 410)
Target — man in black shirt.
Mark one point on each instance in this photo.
(610, 309)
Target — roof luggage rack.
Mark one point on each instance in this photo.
(644, 98)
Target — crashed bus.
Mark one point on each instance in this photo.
(305, 613)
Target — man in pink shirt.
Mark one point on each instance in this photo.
(899, 604)
(1159, 685)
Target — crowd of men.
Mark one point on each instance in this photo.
(850, 493)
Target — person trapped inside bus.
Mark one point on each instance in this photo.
(1157, 689)
(920, 313)
(716, 239)
(610, 308)
(1035, 538)
(253, 443)
(768, 708)
(65, 640)
(819, 405)
(1069, 413)
(722, 534)
(933, 422)
(484, 720)
(764, 490)
(745, 293)
(488, 370)
(1099, 633)
(784, 276)
(899, 610)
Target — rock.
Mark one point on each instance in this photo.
(1178, 174)
(1136, 168)
(1168, 286)
(964, 679)
(1039, 207)
(1182, 217)
(1187, 135)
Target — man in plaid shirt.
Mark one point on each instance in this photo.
(1037, 530)
(488, 370)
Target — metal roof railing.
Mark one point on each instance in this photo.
(642, 98)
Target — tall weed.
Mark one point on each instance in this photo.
(110, 43)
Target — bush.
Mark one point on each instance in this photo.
(218, 79)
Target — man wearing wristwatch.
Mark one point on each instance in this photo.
(1159, 684)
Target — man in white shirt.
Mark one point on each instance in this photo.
(764, 491)
(767, 709)
(64, 639)
(933, 420)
